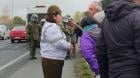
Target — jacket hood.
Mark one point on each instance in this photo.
(118, 9)
(49, 24)
(86, 21)
(99, 16)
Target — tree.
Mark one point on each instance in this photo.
(78, 16)
(5, 18)
(18, 21)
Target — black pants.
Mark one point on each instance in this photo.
(52, 68)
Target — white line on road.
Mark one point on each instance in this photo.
(14, 61)
(18, 46)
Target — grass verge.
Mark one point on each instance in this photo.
(82, 69)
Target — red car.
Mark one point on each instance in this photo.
(18, 33)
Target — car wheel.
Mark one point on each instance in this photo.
(2, 38)
(12, 41)
(19, 41)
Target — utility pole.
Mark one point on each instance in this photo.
(12, 13)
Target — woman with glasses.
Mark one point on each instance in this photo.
(53, 44)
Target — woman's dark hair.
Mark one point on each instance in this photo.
(88, 20)
(50, 17)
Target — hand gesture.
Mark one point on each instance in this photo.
(73, 24)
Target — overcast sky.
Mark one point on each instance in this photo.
(20, 6)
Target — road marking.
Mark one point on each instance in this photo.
(18, 46)
(14, 61)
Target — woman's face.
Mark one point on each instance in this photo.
(58, 18)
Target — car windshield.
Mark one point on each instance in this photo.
(19, 28)
(2, 26)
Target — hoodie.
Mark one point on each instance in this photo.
(118, 47)
(119, 9)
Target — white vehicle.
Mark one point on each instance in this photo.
(40, 10)
(4, 32)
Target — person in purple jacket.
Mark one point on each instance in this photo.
(88, 37)
(87, 43)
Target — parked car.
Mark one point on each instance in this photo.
(4, 32)
(18, 33)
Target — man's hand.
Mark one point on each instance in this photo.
(73, 24)
(71, 48)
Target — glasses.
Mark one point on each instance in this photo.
(60, 13)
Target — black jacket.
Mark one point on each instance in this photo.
(118, 47)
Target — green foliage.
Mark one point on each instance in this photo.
(6, 20)
(83, 70)
(78, 16)
(84, 65)
(18, 21)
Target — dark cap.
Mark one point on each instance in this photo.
(53, 9)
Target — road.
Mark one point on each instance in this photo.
(24, 69)
(10, 51)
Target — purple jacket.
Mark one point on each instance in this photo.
(87, 45)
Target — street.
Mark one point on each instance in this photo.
(15, 62)
(10, 51)
(12, 56)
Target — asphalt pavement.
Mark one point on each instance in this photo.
(33, 69)
(9, 52)
(11, 56)
(15, 62)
